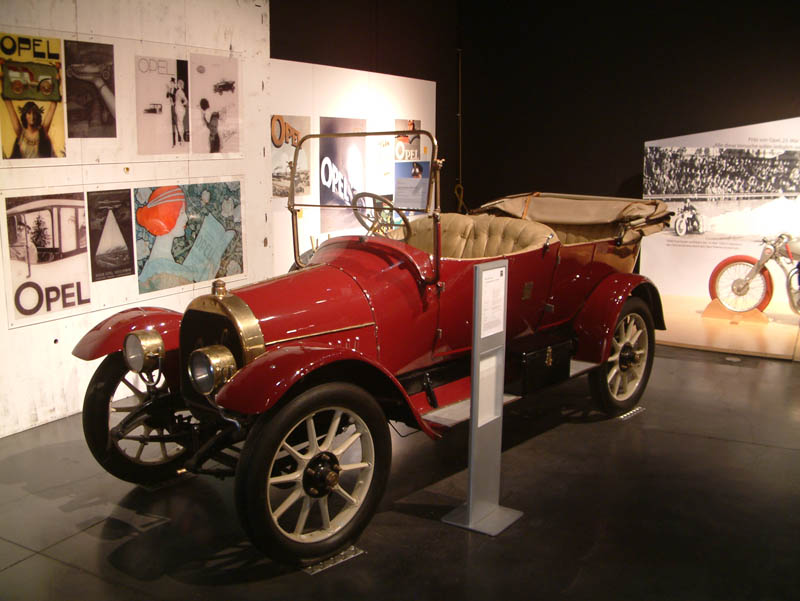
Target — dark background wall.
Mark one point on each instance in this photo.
(558, 97)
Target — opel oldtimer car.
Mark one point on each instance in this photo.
(288, 384)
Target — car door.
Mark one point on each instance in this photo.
(529, 281)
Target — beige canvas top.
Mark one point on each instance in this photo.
(552, 208)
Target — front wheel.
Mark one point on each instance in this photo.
(618, 384)
(728, 283)
(130, 428)
(311, 476)
(680, 225)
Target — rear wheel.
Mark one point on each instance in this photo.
(728, 284)
(700, 224)
(618, 384)
(311, 475)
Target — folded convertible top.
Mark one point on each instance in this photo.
(635, 217)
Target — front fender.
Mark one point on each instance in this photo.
(108, 335)
(594, 325)
(261, 384)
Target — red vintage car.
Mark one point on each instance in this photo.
(288, 384)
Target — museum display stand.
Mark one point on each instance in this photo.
(481, 512)
(716, 310)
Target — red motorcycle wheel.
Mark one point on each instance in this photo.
(758, 293)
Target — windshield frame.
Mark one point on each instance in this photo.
(433, 206)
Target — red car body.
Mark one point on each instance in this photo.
(362, 302)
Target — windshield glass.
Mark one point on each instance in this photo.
(346, 182)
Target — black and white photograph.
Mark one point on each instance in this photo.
(733, 188)
(91, 100)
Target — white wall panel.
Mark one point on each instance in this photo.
(42, 381)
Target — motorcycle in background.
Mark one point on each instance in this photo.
(742, 283)
(688, 220)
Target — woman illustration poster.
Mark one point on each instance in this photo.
(164, 217)
(32, 120)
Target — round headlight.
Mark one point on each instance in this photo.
(143, 349)
(210, 367)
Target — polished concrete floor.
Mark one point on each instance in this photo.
(696, 497)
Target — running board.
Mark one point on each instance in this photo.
(576, 368)
(458, 412)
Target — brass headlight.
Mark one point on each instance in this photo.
(210, 368)
(143, 350)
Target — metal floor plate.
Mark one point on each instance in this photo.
(348, 553)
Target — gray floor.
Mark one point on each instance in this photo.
(697, 497)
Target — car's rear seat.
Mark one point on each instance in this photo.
(479, 236)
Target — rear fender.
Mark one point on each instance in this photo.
(260, 385)
(594, 325)
(108, 335)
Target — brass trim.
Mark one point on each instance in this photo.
(222, 367)
(151, 346)
(336, 331)
(222, 302)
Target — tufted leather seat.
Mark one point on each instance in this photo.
(479, 236)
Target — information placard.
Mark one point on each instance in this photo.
(482, 513)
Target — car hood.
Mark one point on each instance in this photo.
(309, 302)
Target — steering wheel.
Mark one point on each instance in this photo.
(378, 220)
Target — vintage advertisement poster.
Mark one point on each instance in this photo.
(47, 248)
(412, 165)
(411, 184)
(408, 147)
(187, 234)
(32, 118)
(341, 171)
(162, 105)
(285, 133)
(110, 234)
(91, 106)
(733, 193)
(215, 103)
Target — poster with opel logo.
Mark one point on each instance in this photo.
(47, 250)
(162, 105)
(409, 147)
(285, 133)
(32, 117)
(341, 171)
